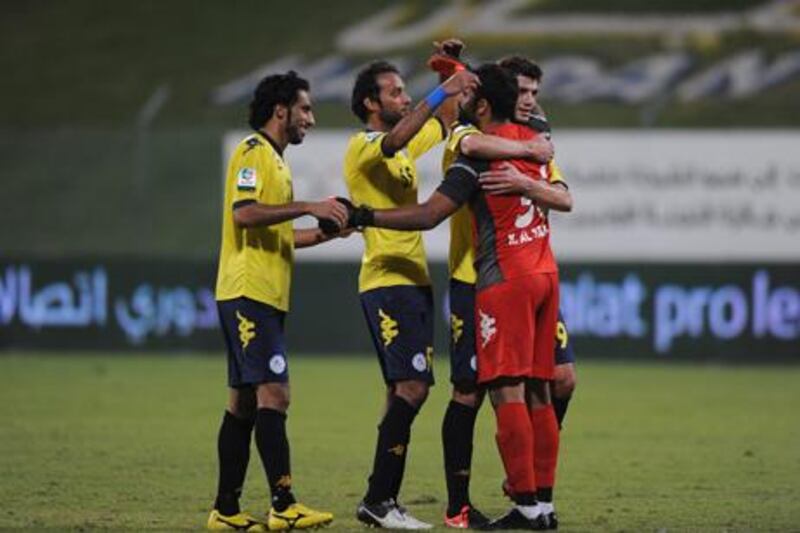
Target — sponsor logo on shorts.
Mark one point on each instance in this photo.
(419, 362)
(277, 363)
(488, 328)
(388, 327)
(246, 329)
(473, 363)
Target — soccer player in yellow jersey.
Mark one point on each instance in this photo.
(394, 284)
(255, 270)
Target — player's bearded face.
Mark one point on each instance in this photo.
(300, 119)
(393, 99)
(467, 111)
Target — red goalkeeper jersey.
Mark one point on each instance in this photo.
(512, 234)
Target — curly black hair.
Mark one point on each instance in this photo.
(273, 90)
(499, 87)
(521, 66)
(366, 86)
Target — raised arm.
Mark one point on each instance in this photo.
(410, 124)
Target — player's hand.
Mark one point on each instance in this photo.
(506, 179)
(542, 149)
(461, 81)
(331, 214)
(346, 232)
(450, 47)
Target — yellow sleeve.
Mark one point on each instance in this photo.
(432, 133)
(555, 173)
(250, 171)
(365, 149)
(453, 147)
(458, 134)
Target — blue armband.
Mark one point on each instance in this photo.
(436, 97)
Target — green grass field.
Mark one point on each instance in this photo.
(128, 442)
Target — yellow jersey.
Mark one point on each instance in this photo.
(461, 254)
(256, 262)
(461, 258)
(391, 257)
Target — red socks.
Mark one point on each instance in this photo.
(546, 438)
(515, 442)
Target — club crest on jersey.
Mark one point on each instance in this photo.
(488, 327)
(246, 179)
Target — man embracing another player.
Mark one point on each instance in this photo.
(517, 292)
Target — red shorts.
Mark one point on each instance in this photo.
(515, 322)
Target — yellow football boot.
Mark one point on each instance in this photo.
(240, 521)
(297, 516)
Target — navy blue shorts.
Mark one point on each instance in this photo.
(256, 345)
(463, 361)
(400, 321)
(564, 352)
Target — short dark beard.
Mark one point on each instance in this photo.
(390, 118)
(292, 131)
(466, 116)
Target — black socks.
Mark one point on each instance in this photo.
(389, 464)
(458, 428)
(273, 447)
(560, 406)
(233, 450)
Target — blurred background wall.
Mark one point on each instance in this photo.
(675, 122)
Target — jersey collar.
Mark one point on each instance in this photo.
(270, 141)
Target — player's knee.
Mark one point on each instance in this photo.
(537, 392)
(414, 392)
(242, 403)
(565, 382)
(273, 396)
(469, 396)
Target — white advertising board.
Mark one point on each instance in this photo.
(640, 195)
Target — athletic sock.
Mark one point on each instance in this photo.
(547, 508)
(529, 511)
(515, 442)
(458, 428)
(273, 447)
(545, 450)
(394, 434)
(560, 405)
(233, 451)
(544, 494)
